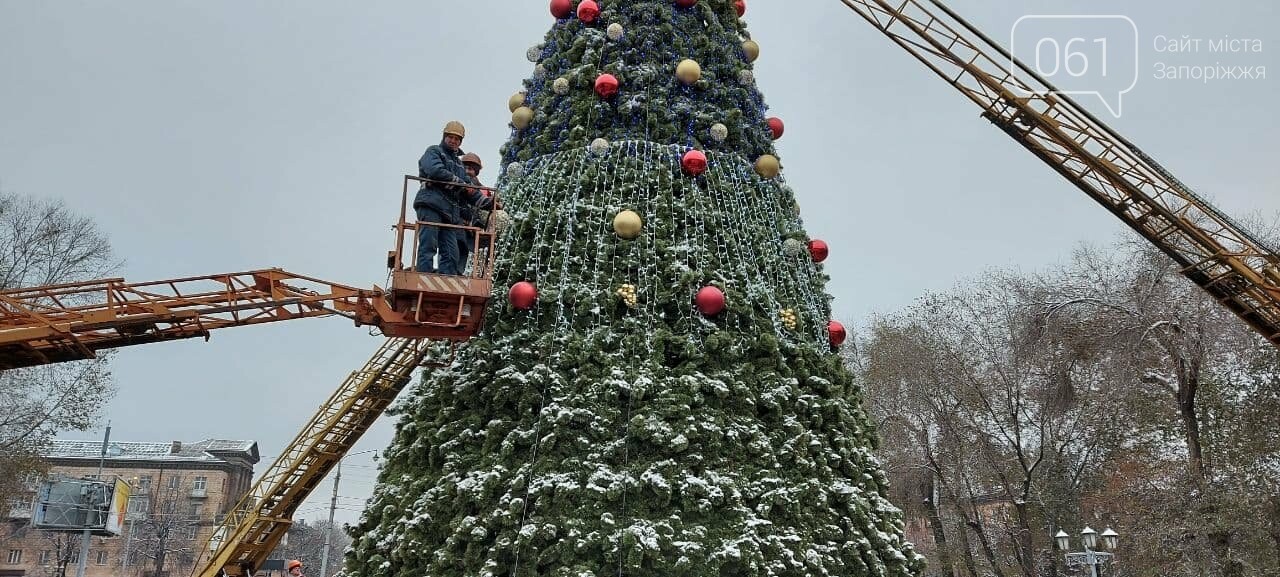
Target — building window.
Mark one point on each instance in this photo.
(137, 506)
(201, 483)
(74, 557)
(170, 507)
(102, 557)
(173, 482)
(191, 532)
(45, 555)
(15, 556)
(144, 483)
(196, 510)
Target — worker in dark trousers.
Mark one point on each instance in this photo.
(441, 201)
(472, 214)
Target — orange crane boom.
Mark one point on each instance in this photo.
(67, 322)
(1217, 254)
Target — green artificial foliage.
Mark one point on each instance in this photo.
(590, 437)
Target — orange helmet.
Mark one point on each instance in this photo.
(292, 564)
(472, 158)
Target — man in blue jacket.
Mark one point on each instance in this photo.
(439, 202)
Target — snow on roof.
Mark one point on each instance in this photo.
(206, 451)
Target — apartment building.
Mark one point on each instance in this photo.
(180, 492)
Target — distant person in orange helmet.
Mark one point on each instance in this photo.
(294, 567)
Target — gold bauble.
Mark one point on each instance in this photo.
(751, 49)
(767, 166)
(627, 224)
(688, 71)
(516, 101)
(522, 117)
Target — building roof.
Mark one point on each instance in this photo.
(206, 451)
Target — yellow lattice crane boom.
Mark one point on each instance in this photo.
(1217, 254)
(252, 530)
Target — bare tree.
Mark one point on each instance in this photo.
(997, 407)
(167, 533)
(44, 242)
(1110, 391)
(64, 551)
(1170, 342)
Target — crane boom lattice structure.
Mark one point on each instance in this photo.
(1214, 252)
(67, 322)
(251, 531)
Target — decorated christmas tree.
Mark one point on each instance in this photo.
(656, 390)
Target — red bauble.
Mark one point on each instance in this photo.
(694, 162)
(686, 3)
(740, 6)
(523, 295)
(588, 10)
(836, 333)
(818, 250)
(710, 300)
(606, 85)
(776, 126)
(561, 9)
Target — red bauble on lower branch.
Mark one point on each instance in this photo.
(686, 3)
(818, 250)
(836, 333)
(710, 300)
(776, 126)
(694, 162)
(561, 8)
(740, 6)
(588, 11)
(523, 295)
(606, 86)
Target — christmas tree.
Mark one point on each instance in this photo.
(656, 390)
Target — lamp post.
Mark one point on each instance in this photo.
(1090, 557)
(86, 537)
(333, 504)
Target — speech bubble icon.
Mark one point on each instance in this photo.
(1078, 54)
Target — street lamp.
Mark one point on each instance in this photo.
(1110, 539)
(1089, 538)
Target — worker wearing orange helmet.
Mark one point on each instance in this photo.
(441, 201)
(471, 214)
(294, 567)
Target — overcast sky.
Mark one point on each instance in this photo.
(209, 137)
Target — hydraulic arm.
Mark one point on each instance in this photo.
(1215, 253)
(67, 322)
